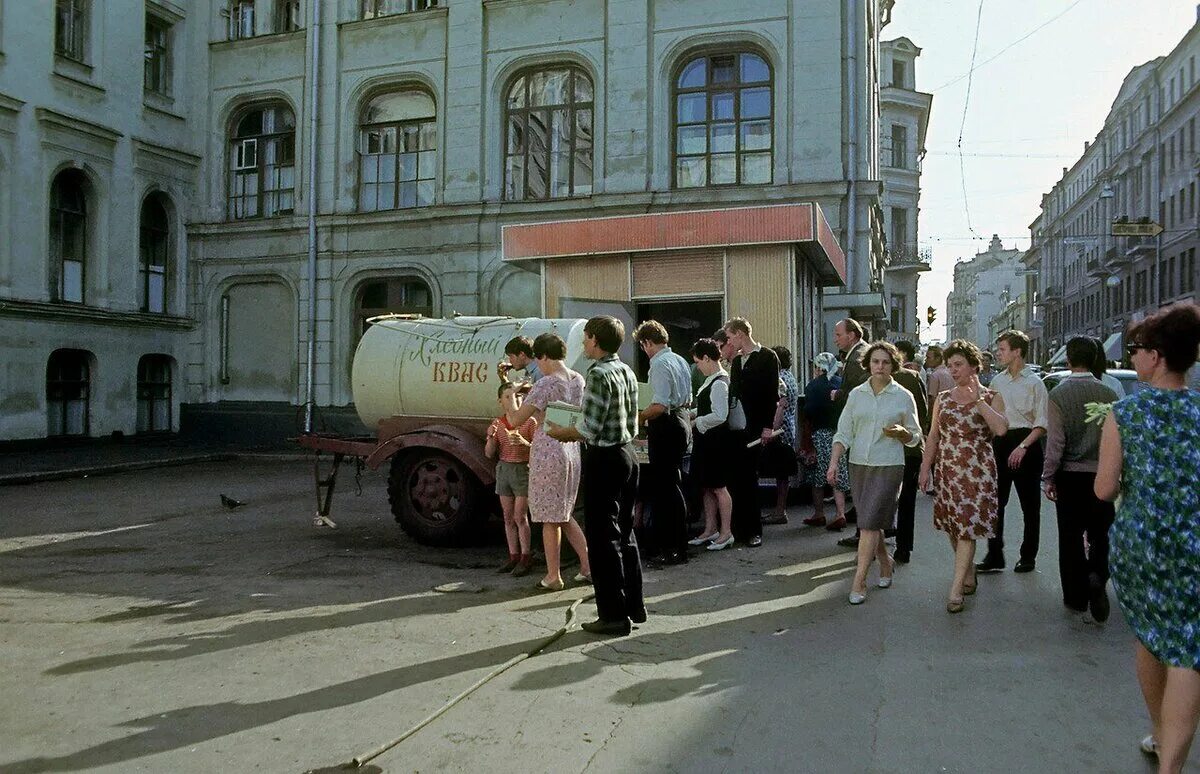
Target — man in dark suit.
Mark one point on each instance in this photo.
(754, 395)
(910, 380)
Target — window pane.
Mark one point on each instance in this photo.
(408, 194)
(516, 94)
(514, 178)
(548, 87)
(722, 106)
(76, 417)
(754, 69)
(756, 168)
(155, 303)
(408, 166)
(756, 103)
(691, 139)
(693, 74)
(691, 108)
(560, 131)
(723, 169)
(583, 130)
(411, 138)
(369, 169)
(560, 175)
(756, 135)
(690, 173)
(583, 87)
(429, 135)
(723, 69)
(583, 173)
(424, 193)
(399, 106)
(72, 281)
(516, 134)
(723, 138)
(537, 136)
(537, 177)
(425, 165)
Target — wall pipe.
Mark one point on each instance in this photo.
(314, 69)
(852, 145)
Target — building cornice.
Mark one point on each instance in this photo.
(51, 312)
(172, 155)
(77, 125)
(10, 104)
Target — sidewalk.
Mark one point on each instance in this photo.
(43, 462)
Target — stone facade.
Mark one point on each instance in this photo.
(904, 120)
(224, 145)
(983, 288)
(1141, 166)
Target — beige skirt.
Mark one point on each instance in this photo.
(876, 493)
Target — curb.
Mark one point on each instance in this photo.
(35, 477)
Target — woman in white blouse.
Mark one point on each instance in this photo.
(879, 420)
(711, 446)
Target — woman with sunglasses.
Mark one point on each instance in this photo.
(1150, 460)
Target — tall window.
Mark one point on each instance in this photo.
(898, 79)
(548, 129)
(393, 295)
(68, 235)
(899, 146)
(262, 163)
(897, 321)
(68, 382)
(723, 114)
(70, 28)
(154, 246)
(156, 67)
(397, 151)
(373, 9)
(241, 19)
(154, 394)
(900, 233)
(287, 15)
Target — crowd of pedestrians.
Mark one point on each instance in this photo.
(872, 426)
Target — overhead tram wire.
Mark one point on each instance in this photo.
(962, 162)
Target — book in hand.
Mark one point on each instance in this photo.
(563, 414)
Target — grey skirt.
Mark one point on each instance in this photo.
(876, 492)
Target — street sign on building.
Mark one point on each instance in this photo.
(1136, 229)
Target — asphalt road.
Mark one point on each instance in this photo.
(144, 627)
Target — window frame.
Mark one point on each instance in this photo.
(83, 384)
(735, 86)
(398, 126)
(154, 389)
(157, 60)
(239, 12)
(78, 29)
(146, 269)
(370, 9)
(288, 16)
(236, 145)
(60, 219)
(391, 282)
(572, 107)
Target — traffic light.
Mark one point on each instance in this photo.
(930, 315)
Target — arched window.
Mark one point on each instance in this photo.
(153, 248)
(390, 295)
(548, 128)
(723, 121)
(68, 392)
(154, 394)
(262, 162)
(397, 151)
(68, 235)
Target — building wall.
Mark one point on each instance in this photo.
(983, 288)
(58, 114)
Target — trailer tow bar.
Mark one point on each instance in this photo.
(325, 488)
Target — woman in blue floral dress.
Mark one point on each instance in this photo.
(1150, 460)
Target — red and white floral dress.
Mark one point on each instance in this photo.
(966, 496)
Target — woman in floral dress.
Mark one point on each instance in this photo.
(961, 464)
(1150, 457)
(553, 466)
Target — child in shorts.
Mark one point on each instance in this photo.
(512, 481)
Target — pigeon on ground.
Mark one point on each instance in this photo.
(231, 503)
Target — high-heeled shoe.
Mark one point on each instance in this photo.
(719, 546)
(885, 581)
(699, 541)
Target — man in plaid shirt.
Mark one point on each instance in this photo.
(610, 478)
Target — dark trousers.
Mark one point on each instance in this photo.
(1028, 481)
(907, 511)
(668, 439)
(746, 521)
(610, 480)
(1080, 514)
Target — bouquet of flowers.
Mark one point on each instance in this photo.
(1096, 412)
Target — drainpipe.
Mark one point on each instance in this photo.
(314, 68)
(852, 144)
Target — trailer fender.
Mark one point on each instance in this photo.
(462, 445)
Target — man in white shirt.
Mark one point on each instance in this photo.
(1019, 456)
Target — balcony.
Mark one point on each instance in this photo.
(1136, 247)
(1097, 268)
(1115, 256)
(909, 258)
(1051, 295)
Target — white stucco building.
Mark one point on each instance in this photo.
(154, 179)
(984, 287)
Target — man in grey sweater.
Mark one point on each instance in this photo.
(1068, 475)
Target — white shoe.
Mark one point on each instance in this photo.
(885, 583)
(1149, 746)
(715, 546)
(699, 541)
(856, 598)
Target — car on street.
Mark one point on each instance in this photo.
(1126, 377)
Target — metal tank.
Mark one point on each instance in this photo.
(440, 368)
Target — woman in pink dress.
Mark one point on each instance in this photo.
(553, 466)
(961, 465)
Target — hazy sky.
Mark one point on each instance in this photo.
(1030, 110)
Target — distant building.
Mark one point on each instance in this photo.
(904, 119)
(1142, 165)
(983, 288)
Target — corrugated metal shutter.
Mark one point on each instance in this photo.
(687, 273)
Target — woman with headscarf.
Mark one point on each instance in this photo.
(822, 417)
